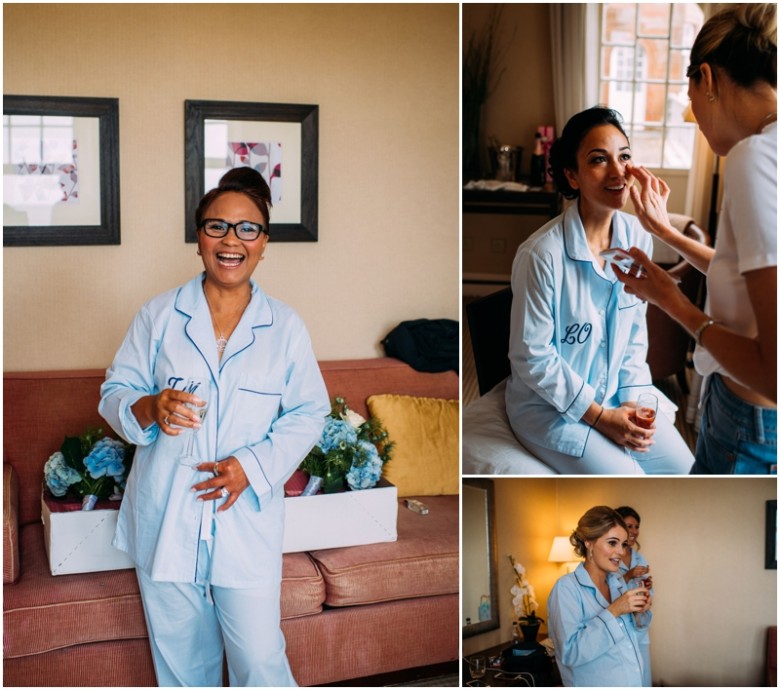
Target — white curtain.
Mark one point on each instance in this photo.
(574, 59)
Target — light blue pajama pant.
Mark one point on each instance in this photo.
(668, 455)
(190, 625)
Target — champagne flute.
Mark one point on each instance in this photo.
(200, 387)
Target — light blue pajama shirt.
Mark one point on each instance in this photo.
(576, 334)
(643, 634)
(267, 408)
(593, 648)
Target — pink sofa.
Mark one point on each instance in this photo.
(347, 612)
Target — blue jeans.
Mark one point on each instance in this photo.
(735, 437)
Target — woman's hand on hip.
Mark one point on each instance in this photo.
(618, 425)
(228, 482)
(168, 409)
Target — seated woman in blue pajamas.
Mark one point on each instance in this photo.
(578, 342)
(207, 540)
(590, 611)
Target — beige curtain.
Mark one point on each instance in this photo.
(697, 198)
(574, 66)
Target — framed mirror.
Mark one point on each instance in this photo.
(479, 598)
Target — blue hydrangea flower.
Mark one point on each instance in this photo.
(336, 435)
(59, 475)
(366, 469)
(106, 458)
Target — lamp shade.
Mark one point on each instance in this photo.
(562, 551)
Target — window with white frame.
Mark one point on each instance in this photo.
(644, 52)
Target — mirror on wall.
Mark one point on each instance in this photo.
(479, 597)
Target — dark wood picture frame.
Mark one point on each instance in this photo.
(106, 111)
(770, 558)
(195, 115)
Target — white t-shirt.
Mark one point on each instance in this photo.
(746, 237)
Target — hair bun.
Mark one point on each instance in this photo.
(244, 176)
(760, 18)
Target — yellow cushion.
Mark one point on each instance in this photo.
(424, 460)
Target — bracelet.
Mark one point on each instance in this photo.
(700, 330)
(601, 412)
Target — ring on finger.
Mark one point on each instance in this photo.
(216, 469)
(224, 493)
(165, 420)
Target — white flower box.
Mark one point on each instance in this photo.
(79, 541)
(349, 518)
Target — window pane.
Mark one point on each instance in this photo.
(654, 19)
(678, 64)
(619, 20)
(687, 20)
(646, 145)
(651, 58)
(676, 103)
(617, 63)
(678, 150)
(650, 103)
(618, 96)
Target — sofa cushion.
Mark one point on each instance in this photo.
(42, 612)
(303, 589)
(425, 433)
(423, 562)
(10, 524)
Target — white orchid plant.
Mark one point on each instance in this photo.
(523, 596)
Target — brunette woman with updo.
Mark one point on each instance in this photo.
(578, 341)
(590, 610)
(732, 85)
(636, 572)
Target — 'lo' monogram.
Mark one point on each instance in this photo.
(577, 334)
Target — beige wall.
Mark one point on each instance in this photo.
(704, 540)
(386, 80)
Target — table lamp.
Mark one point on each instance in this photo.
(563, 552)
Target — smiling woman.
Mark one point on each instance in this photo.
(578, 341)
(208, 558)
(590, 610)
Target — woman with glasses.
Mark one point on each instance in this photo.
(732, 85)
(206, 535)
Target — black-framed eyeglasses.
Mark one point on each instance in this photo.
(244, 229)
